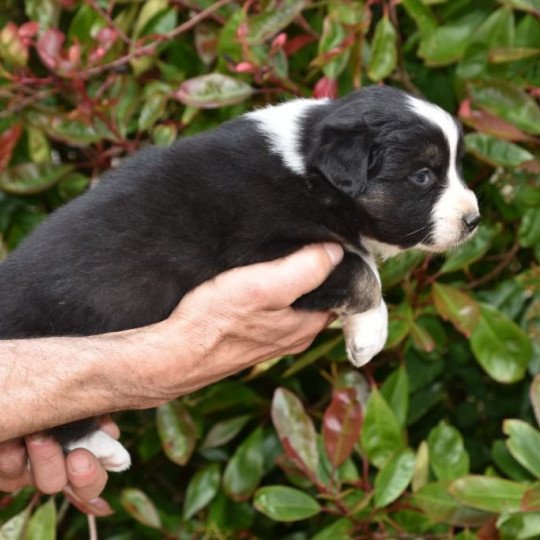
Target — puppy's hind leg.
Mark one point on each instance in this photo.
(112, 455)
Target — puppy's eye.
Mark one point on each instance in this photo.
(423, 178)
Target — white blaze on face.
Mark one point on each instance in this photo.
(456, 200)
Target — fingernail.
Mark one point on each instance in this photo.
(335, 252)
(101, 506)
(39, 437)
(80, 463)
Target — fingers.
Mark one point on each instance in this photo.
(85, 474)
(13, 466)
(107, 425)
(279, 283)
(47, 463)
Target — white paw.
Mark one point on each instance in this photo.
(112, 455)
(365, 334)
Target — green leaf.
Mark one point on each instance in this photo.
(312, 355)
(421, 468)
(529, 228)
(32, 178)
(381, 434)
(85, 25)
(447, 454)
(489, 493)
(213, 91)
(177, 431)
(295, 429)
(508, 101)
(495, 151)
(341, 528)
(246, 467)
(500, 346)
(138, 505)
(72, 132)
(522, 526)
(333, 55)
(446, 44)
(472, 251)
(39, 149)
(392, 480)
(395, 269)
(395, 391)
(456, 306)
(440, 506)
(500, 55)
(45, 12)
(13, 529)
(224, 431)
(533, 6)
(497, 30)
(534, 395)
(383, 51)
(524, 444)
(282, 503)
(399, 324)
(341, 425)
(149, 10)
(421, 337)
(504, 461)
(42, 525)
(423, 16)
(272, 20)
(202, 488)
(151, 111)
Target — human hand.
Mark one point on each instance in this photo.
(236, 320)
(79, 474)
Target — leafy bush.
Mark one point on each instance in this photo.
(437, 437)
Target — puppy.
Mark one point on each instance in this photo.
(377, 171)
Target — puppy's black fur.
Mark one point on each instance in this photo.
(123, 254)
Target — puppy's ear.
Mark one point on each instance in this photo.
(343, 154)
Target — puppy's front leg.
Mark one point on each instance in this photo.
(353, 291)
(365, 333)
(365, 316)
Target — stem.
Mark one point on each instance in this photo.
(146, 50)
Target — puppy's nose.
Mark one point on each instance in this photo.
(471, 221)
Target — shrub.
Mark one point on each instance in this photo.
(437, 437)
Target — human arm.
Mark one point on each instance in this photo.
(229, 323)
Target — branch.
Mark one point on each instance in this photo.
(146, 50)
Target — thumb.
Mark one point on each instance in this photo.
(280, 282)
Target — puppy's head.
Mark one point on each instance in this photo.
(399, 158)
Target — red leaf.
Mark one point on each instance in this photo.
(28, 30)
(341, 425)
(325, 88)
(49, 47)
(105, 38)
(488, 123)
(531, 501)
(8, 141)
(298, 42)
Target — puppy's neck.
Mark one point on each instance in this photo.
(282, 125)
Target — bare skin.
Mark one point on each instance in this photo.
(227, 324)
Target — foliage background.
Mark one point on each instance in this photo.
(438, 436)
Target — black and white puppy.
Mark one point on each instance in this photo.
(377, 171)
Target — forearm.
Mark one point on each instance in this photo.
(51, 381)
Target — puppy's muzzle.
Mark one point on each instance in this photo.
(471, 221)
